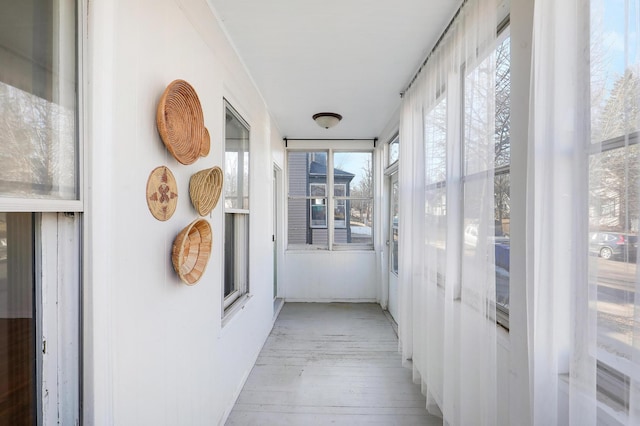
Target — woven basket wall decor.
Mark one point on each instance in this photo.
(181, 123)
(204, 189)
(162, 193)
(206, 144)
(191, 251)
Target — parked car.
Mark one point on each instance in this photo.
(471, 236)
(613, 245)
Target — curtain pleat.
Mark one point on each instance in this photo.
(447, 300)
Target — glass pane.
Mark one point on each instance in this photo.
(340, 219)
(503, 104)
(394, 150)
(436, 144)
(229, 254)
(236, 254)
(17, 323)
(614, 198)
(613, 219)
(436, 233)
(306, 169)
(38, 143)
(502, 205)
(395, 199)
(358, 229)
(479, 123)
(615, 81)
(301, 213)
(355, 171)
(236, 174)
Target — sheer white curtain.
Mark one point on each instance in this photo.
(584, 204)
(447, 288)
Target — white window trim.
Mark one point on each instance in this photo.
(237, 298)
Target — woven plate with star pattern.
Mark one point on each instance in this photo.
(162, 193)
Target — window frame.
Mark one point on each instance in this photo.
(12, 204)
(58, 250)
(503, 32)
(394, 140)
(242, 237)
(332, 201)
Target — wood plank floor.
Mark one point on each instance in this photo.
(333, 364)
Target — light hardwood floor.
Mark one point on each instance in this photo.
(331, 364)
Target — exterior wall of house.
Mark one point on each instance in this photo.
(157, 351)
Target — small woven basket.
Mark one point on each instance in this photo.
(191, 251)
(204, 189)
(181, 123)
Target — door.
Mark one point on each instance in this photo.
(393, 245)
(39, 318)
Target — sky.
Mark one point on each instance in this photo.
(615, 18)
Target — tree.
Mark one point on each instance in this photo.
(502, 135)
(364, 190)
(614, 173)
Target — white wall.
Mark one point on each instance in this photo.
(314, 275)
(330, 276)
(155, 350)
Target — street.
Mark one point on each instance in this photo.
(616, 294)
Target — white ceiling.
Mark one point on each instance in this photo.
(352, 57)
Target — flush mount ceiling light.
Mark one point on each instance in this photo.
(327, 119)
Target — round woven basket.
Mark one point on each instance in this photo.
(181, 123)
(191, 251)
(204, 189)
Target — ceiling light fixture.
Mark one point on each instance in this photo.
(327, 119)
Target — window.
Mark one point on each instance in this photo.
(393, 151)
(38, 143)
(318, 207)
(614, 196)
(435, 146)
(486, 220)
(39, 252)
(236, 204)
(394, 216)
(353, 192)
(309, 203)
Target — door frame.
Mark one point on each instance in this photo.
(277, 237)
(391, 176)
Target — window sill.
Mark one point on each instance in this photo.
(237, 306)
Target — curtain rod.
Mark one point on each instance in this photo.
(444, 33)
(330, 139)
(286, 140)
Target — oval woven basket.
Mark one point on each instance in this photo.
(204, 189)
(181, 123)
(191, 251)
